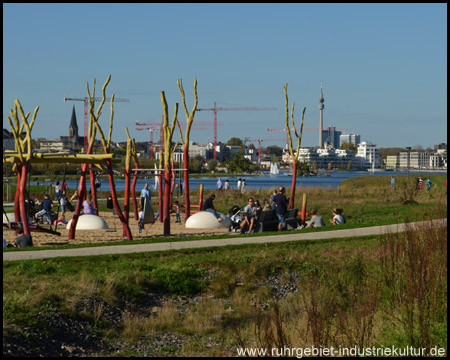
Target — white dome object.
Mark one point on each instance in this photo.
(207, 220)
(89, 222)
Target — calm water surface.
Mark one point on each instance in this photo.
(255, 182)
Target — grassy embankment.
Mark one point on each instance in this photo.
(377, 291)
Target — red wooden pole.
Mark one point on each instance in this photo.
(23, 209)
(172, 186)
(160, 197)
(167, 205)
(81, 195)
(125, 226)
(126, 202)
(187, 200)
(303, 215)
(200, 200)
(294, 181)
(93, 191)
(133, 193)
(17, 196)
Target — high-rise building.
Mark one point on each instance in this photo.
(331, 138)
(350, 138)
(370, 153)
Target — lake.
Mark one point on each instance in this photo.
(257, 182)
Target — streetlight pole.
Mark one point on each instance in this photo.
(409, 149)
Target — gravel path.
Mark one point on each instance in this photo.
(135, 248)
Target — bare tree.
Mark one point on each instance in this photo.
(294, 155)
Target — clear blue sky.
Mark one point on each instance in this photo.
(384, 66)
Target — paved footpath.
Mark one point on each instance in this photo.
(137, 248)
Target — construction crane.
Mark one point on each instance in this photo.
(86, 102)
(161, 136)
(158, 127)
(151, 129)
(216, 109)
(259, 141)
(304, 129)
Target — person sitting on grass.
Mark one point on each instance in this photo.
(338, 218)
(316, 220)
(250, 213)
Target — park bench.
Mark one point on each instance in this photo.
(268, 220)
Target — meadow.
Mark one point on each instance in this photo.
(376, 291)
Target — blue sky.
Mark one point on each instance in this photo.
(384, 66)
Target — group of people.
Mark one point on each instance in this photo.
(419, 183)
(279, 203)
(222, 185)
(240, 185)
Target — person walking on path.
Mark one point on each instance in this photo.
(281, 203)
(145, 193)
(226, 186)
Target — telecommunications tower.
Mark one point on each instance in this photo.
(321, 107)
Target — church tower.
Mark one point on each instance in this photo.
(73, 127)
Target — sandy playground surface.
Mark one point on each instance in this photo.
(114, 233)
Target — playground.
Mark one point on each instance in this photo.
(113, 233)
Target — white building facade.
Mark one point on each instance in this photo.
(370, 153)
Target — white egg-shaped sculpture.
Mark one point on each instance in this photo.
(89, 222)
(207, 220)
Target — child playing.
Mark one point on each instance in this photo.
(141, 219)
(177, 212)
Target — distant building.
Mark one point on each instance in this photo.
(440, 146)
(392, 162)
(350, 138)
(370, 153)
(417, 159)
(322, 158)
(8, 140)
(73, 141)
(51, 146)
(331, 138)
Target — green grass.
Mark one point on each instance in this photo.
(345, 286)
